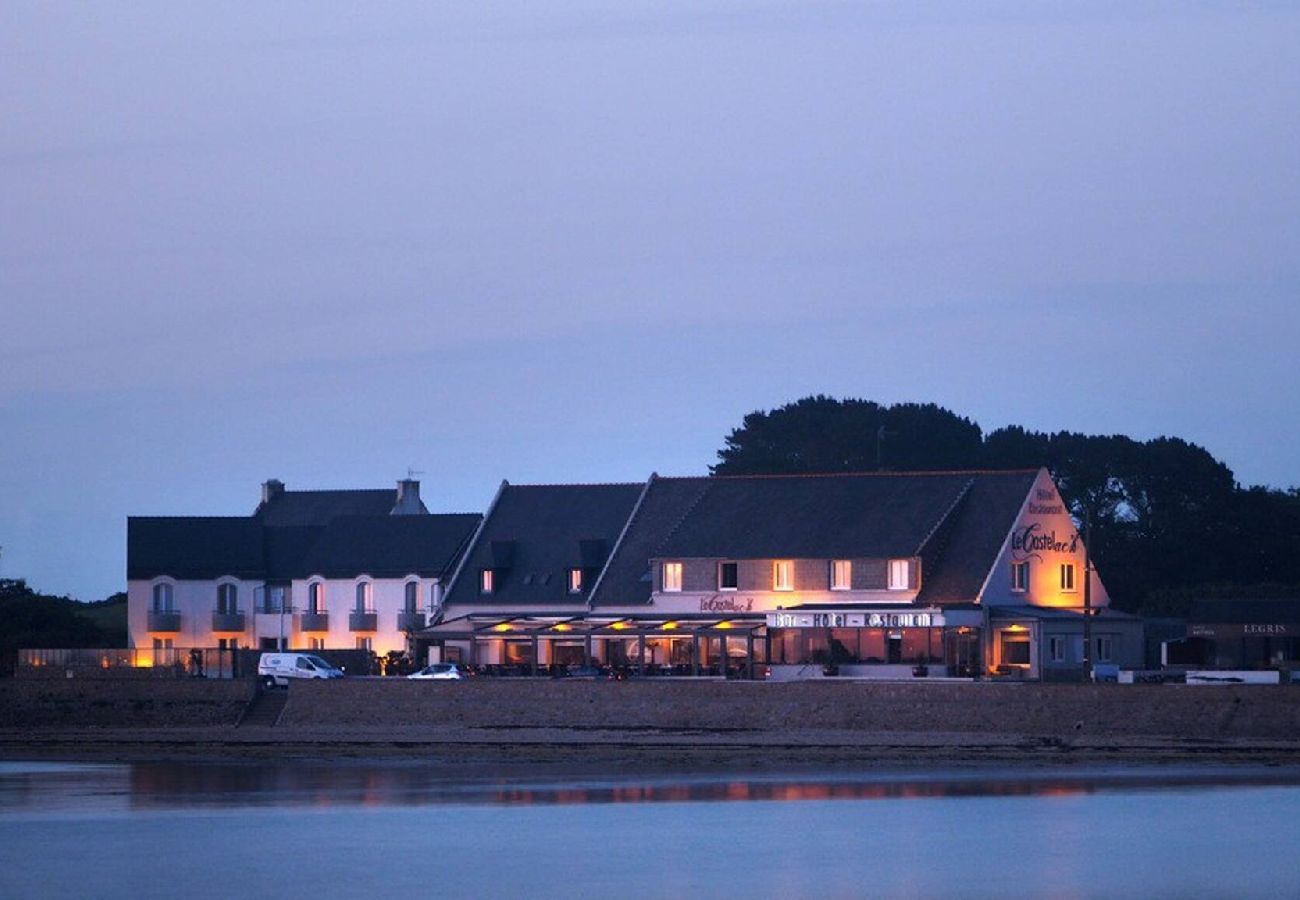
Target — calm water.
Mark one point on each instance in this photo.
(353, 829)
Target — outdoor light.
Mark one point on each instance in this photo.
(668, 626)
(503, 626)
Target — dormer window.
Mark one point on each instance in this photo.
(485, 581)
(365, 597)
(841, 574)
(672, 577)
(412, 598)
(783, 575)
(900, 574)
(315, 598)
(575, 581)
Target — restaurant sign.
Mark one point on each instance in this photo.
(1252, 629)
(854, 620)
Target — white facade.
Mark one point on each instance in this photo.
(194, 608)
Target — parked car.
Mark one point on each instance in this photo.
(440, 671)
(275, 669)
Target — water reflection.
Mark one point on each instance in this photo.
(34, 788)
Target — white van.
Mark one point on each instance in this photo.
(277, 668)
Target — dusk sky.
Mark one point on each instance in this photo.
(576, 241)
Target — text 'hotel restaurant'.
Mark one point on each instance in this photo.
(889, 575)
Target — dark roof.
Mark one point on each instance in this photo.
(960, 556)
(535, 533)
(1026, 611)
(390, 546)
(1231, 611)
(956, 520)
(319, 508)
(194, 547)
(198, 548)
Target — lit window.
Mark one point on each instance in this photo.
(412, 598)
(1056, 648)
(672, 577)
(841, 574)
(1020, 576)
(900, 574)
(485, 581)
(783, 575)
(1015, 648)
(364, 597)
(575, 581)
(728, 576)
(162, 598)
(1067, 576)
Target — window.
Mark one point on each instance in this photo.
(272, 599)
(841, 574)
(1015, 648)
(315, 598)
(575, 581)
(900, 574)
(364, 643)
(227, 599)
(728, 576)
(783, 575)
(1056, 648)
(1020, 576)
(316, 643)
(672, 577)
(162, 598)
(1104, 649)
(412, 600)
(364, 597)
(1067, 576)
(485, 581)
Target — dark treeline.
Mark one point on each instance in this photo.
(32, 619)
(1169, 521)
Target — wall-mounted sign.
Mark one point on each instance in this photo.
(728, 603)
(854, 620)
(1253, 629)
(1031, 541)
(1046, 503)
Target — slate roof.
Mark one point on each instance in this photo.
(535, 533)
(194, 547)
(390, 546)
(319, 508)
(957, 522)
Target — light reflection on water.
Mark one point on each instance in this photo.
(36, 788)
(393, 829)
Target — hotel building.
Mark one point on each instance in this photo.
(863, 575)
(307, 570)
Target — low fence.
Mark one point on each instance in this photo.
(170, 662)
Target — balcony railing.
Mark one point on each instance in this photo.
(314, 621)
(363, 621)
(164, 621)
(228, 621)
(410, 621)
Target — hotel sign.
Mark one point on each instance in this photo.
(854, 620)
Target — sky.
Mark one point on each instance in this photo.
(579, 241)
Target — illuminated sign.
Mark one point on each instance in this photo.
(855, 620)
(1031, 540)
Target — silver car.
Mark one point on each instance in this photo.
(440, 671)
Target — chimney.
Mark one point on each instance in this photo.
(271, 488)
(408, 499)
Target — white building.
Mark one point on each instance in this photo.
(307, 570)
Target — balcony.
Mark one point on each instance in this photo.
(314, 621)
(410, 621)
(228, 621)
(363, 621)
(164, 621)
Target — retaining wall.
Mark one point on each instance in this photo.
(121, 703)
(1035, 709)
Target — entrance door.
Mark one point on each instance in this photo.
(894, 649)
